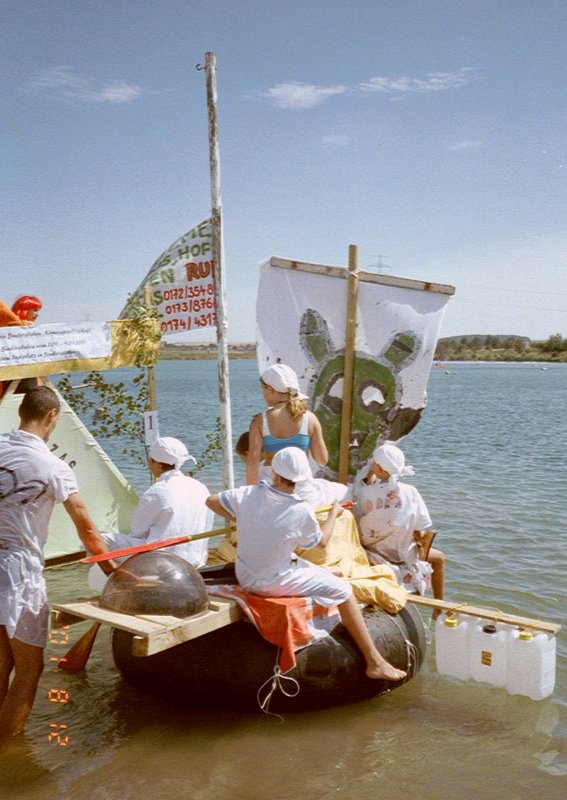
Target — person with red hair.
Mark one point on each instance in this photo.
(27, 308)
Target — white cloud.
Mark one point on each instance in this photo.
(467, 144)
(62, 82)
(431, 82)
(336, 140)
(298, 96)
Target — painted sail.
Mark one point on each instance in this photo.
(108, 497)
(301, 321)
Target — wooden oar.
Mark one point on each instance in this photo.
(144, 548)
(77, 657)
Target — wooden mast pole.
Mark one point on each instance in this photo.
(350, 347)
(150, 375)
(218, 259)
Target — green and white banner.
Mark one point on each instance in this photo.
(181, 281)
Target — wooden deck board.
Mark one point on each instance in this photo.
(484, 613)
(153, 633)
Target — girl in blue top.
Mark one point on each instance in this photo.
(286, 423)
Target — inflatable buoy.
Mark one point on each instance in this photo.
(229, 665)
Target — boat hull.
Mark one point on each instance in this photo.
(227, 667)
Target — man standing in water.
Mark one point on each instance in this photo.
(32, 480)
(272, 522)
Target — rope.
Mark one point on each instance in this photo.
(276, 681)
(412, 654)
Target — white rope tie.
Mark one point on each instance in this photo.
(412, 653)
(276, 681)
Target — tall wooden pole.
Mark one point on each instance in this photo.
(218, 257)
(150, 374)
(350, 348)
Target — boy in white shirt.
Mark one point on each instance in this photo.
(272, 522)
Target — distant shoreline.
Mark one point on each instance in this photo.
(201, 351)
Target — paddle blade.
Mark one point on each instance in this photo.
(76, 658)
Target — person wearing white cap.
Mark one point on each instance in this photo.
(173, 506)
(390, 513)
(272, 521)
(286, 423)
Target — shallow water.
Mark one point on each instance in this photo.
(490, 461)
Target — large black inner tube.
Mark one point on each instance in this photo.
(228, 666)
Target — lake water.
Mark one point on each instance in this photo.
(490, 462)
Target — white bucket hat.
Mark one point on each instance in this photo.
(291, 463)
(168, 450)
(283, 379)
(393, 461)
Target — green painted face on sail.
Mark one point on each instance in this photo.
(376, 413)
(374, 395)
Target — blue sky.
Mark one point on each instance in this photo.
(431, 134)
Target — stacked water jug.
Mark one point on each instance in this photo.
(519, 660)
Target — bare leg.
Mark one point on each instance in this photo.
(437, 560)
(6, 663)
(17, 704)
(376, 666)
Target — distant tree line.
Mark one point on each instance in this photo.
(501, 348)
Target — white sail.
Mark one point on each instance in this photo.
(301, 321)
(109, 498)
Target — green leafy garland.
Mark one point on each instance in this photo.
(112, 410)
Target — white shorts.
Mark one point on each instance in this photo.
(23, 598)
(304, 579)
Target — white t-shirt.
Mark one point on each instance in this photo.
(271, 524)
(387, 518)
(319, 492)
(174, 506)
(32, 480)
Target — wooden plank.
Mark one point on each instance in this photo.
(484, 613)
(153, 633)
(217, 616)
(368, 277)
(89, 609)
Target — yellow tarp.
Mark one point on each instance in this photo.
(371, 584)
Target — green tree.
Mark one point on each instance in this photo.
(555, 344)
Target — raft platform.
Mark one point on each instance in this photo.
(152, 633)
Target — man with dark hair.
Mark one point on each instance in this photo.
(32, 480)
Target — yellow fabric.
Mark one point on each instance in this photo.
(222, 554)
(371, 584)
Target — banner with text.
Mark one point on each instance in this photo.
(181, 281)
(59, 342)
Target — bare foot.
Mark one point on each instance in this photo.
(436, 613)
(385, 672)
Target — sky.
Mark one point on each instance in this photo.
(433, 135)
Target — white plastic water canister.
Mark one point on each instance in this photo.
(487, 652)
(530, 664)
(452, 635)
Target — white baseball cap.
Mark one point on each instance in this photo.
(292, 463)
